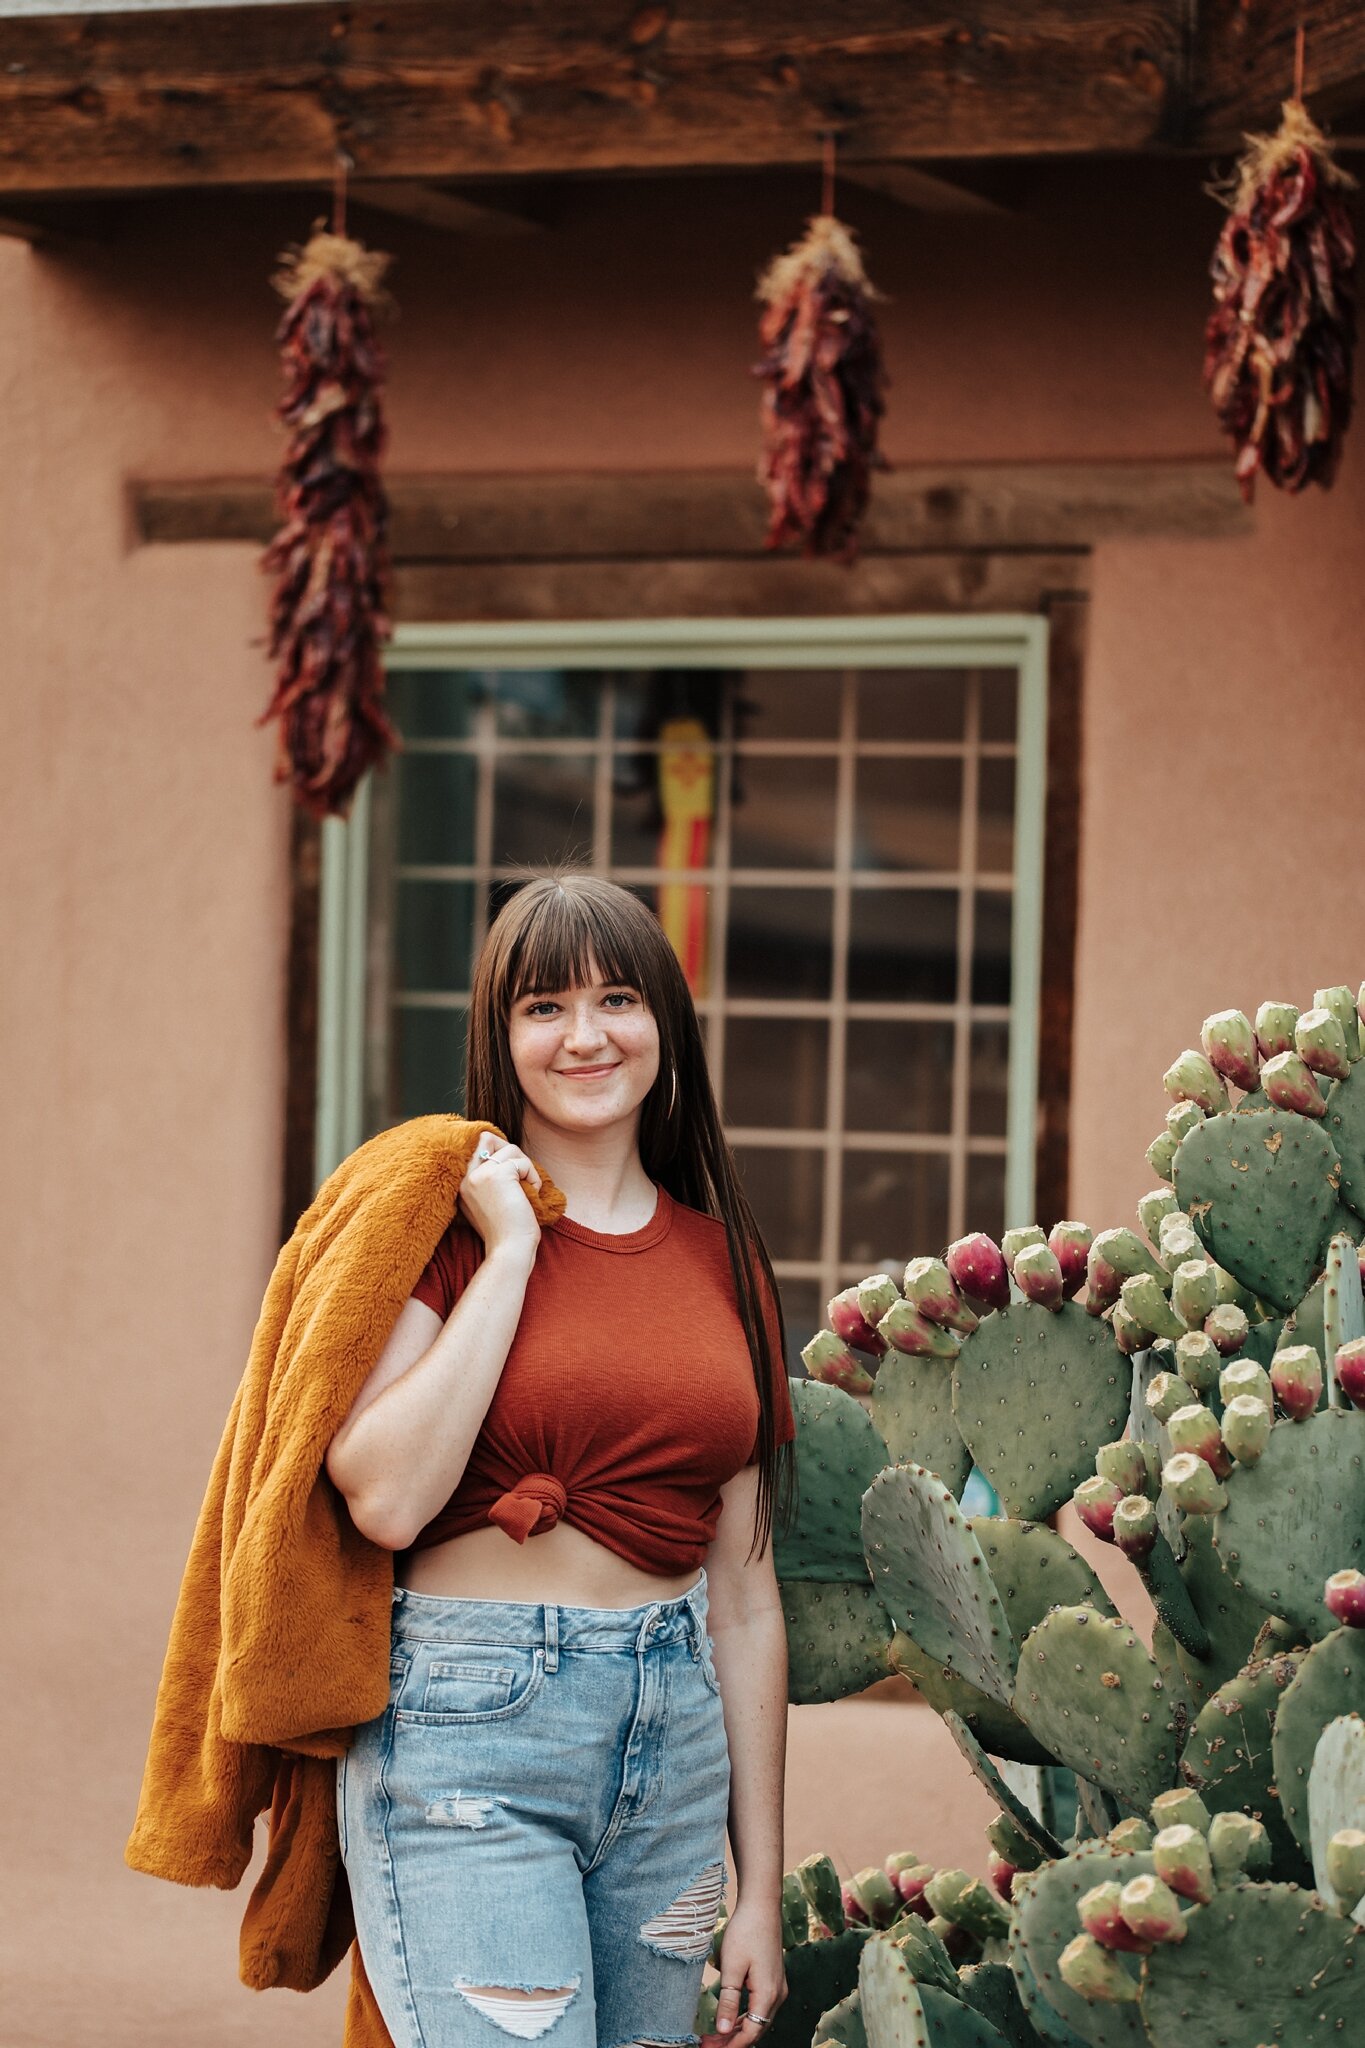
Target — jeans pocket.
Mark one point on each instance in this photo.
(446, 1685)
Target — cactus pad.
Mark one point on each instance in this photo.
(912, 1408)
(899, 2013)
(1336, 1795)
(933, 1580)
(1045, 1921)
(1330, 1681)
(990, 1989)
(994, 1726)
(1262, 1966)
(819, 1974)
(1035, 1393)
(838, 1639)
(842, 2026)
(1261, 1191)
(1231, 1616)
(1345, 1125)
(1146, 1429)
(838, 1455)
(1298, 1512)
(1024, 1818)
(1092, 1695)
(1228, 1759)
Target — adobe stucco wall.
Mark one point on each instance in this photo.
(144, 906)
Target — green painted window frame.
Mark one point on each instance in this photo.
(905, 641)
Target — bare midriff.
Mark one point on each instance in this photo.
(561, 1564)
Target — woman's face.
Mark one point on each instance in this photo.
(585, 1057)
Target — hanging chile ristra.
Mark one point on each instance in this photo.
(329, 611)
(822, 400)
(1280, 338)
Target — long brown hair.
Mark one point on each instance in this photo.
(545, 938)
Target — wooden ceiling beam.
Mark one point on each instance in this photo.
(448, 89)
(1243, 61)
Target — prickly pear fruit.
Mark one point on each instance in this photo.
(1197, 1358)
(1123, 1465)
(1102, 1283)
(968, 1903)
(875, 1296)
(1152, 1207)
(819, 1880)
(1161, 1154)
(1124, 1250)
(847, 1320)
(1244, 1376)
(1230, 1044)
(1009, 1841)
(1019, 1238)
(1094, 1972)
(1238, 1846)
(1132, 1833)
(961, 1944)
(1038, 1276)
(929, 1287)
(1134, 1525)
(1321, 1044)
(1195, 1428)
(1180, 1808)
(1296, 1376)
(1181, 1855)
(910, 1884)
(1246, 1427)
(978, 1269)
(1227, 1328)
(1178, 1240)
(1289, 1084)
(1152, 1910)
(1182, 1118)
(1130, 1335)
(1346, 1867)
(1101, 1916)
(1275, 1028)
(1342, 1005)
(830, 1360)
(1095, 1501)
(1345, 1597)
(1194, 1291)
(1002, 1875)
(1070, 1244)
(1191, 1079)
(1166, 1392)
(1349, 1367)
(906, 1329)
(1192, 1485)
(1146, 1303)
(869, 1895)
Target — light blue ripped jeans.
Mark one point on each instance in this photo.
(540, 1809)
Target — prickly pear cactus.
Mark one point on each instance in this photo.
(1196, 1387)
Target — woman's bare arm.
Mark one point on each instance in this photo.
(751, 1664)
(404, 1444)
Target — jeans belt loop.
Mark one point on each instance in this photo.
(551, 1636)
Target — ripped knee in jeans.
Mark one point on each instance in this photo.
(524, 2011)
(684, 1929)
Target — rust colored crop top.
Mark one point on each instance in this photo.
(627, 1399)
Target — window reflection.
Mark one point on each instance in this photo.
(895, 1207)
(903, 945)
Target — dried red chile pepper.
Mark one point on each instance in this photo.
(1280, 339)
(823, 384)
(329, 611)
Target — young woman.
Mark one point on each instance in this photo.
(574, 1442)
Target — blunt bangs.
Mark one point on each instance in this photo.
(562, 931)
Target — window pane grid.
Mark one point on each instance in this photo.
(861, 1205)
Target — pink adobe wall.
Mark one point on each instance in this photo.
(144, 918)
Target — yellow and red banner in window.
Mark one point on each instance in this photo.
(687, 796)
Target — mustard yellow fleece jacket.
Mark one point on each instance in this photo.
(279, 1644)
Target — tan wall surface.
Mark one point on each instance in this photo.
(144, 913)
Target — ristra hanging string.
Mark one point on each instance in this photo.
(1280, 340)
(330, 608)
(823, 386)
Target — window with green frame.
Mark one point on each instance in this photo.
(840, 824)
